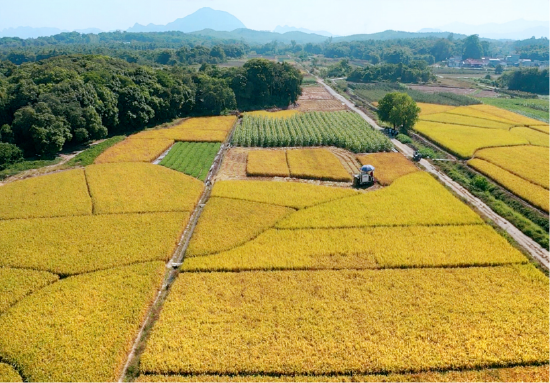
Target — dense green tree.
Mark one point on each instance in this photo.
(9, 154)
(441, 50)
(531, 80)
(472, 47)
(399, 109)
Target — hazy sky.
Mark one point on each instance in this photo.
(341, 17)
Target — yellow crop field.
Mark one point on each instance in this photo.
(518, 119)
(473, 112)
(278, 114)
(364, 248)
(456, 119)
(426, 109)
(267, 163)
(54, 195)
(506, 374)
(204, 129)
(528, 162)
(388, 166)
(135, 151)
(316, 164)
(535, 194)
(8, 374)
(81, 328)
(290, 194)
(542, 128)
(139, 187)
(414, 199)
(74, 245)
(464, 140)
(226, 223)
(535, 137)
(17, 283)
(337, 322)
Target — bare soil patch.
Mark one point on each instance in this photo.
(316, 98)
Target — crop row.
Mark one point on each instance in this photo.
(192, 158)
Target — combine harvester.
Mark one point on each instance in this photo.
(365, 178)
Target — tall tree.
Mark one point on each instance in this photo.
(399, 109)
(472, 47)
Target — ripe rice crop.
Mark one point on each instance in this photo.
(267, 163)
(518, 119)
(74, 245)
(473, 112)
(290, 194)
(463, 140)
(426, 109)
(316, 164)
(17, 283)
(542, 128)
(138, 188)
(135, 151)
(528, 162)
(234, 222)
(456, 119)
(278, 114)
(535, 194)
(192, 158)
(414, 199)
(341, 129)
(534, 136)
(54, 195)
(8, 374)
(81, 328)
(506, 374)
(338, 322)
(388, 166)
(204, 129)
(365, 248)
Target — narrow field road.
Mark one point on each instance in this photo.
(536, 251)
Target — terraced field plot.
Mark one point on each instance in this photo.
(192, 158)
(135, 151)
(534, 136)
(267, 163)
(388, 166)
(204, 129)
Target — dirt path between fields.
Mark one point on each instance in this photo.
(534, 249)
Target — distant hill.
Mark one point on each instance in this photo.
(511, 30)
(204, 18)
(392, 35)
(262, 37)
(286, 28)
(29, 32)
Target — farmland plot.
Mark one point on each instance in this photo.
(316, 164)
(17, 283)
(388, 166)
(135, 151)
(267, 163)
(192, 158)
(204, 129)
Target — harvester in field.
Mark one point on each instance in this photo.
(365, 178)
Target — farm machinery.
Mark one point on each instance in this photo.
(365, 178)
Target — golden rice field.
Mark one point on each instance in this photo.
(226, 223)
(290, 194)
(364, 248)
(464, 140)
(316, 164)
(9, 374)
(342, 322)
(534, 136)
(139, 187)
(414, 199)
(204, 129)
(509, 374)
(535, 194)
(388, 166)
(135, 151)
(517, 119)
(528, 162)
(455, 119)
(469, 111)
(541, 128)
(17, 283)
(80, 328)
(426, 109)
(267, 163)
(278, 114)
(54, 195)
(74, 245)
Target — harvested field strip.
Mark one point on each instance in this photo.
(267, 163)
(135, 151)
(448, 118)
(532, 193)
(414, 199)
(288, 194)
(388, 166)
(316, 164)
(16, 284)
(81, 328)
(192, 158)
(9, 374)
(338, 322)
(528, 162)
(535, 137)
(227, 223)
(75, 245)
(278, 114)
(138, 188)
(464, 141)
(54, 195)
(505, 374)
(502, 113)
(367, 248)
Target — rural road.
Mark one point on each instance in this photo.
(536, 251)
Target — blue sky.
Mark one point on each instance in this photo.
(341, 17)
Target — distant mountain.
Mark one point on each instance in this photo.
(286, 28)
(512, 30)
(392, 35)
(204, 18)
(29, 32)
